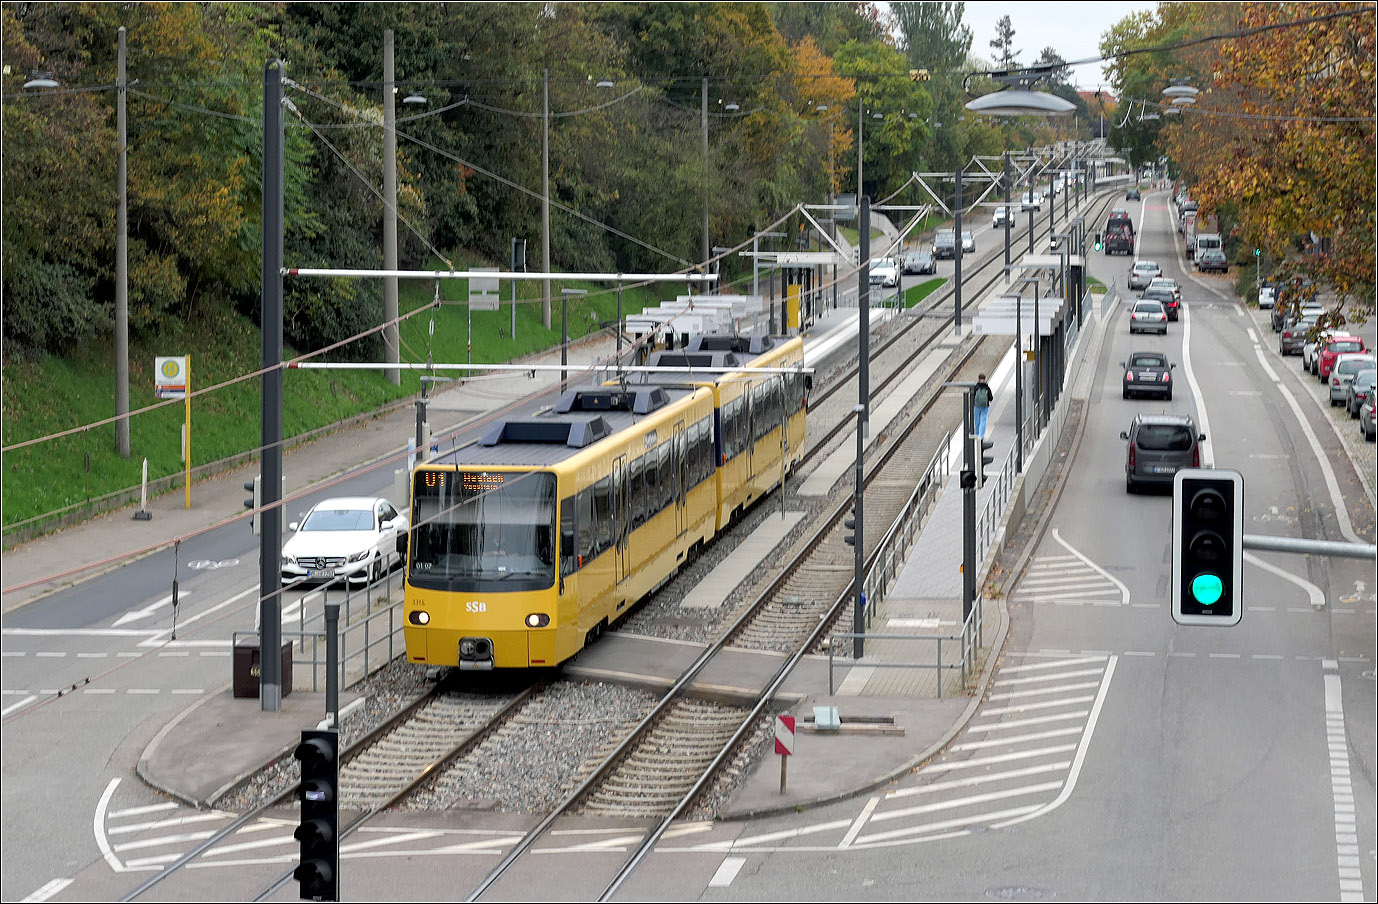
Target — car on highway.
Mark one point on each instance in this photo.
(1148, 373)
(1294, 336)
(1143, 273)
(885, 272)
(1366, 422)
(1147, 316)
(968, 242)
(1360, 390)
(1332, 350)
(920, 262)
(1003, 216)
(945, 244)
(1132, 195)
(1166, 282)
(1157, 446)
(352, 537)
(1171, 305)
(1343, 373)
(1030, 201)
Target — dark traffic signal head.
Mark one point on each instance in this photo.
(318, 871)
(1098, 242)
(981, 447)
(1207, 547)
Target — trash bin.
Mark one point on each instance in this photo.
(248, 667)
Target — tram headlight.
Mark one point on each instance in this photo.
(537, 620)
(419, 617)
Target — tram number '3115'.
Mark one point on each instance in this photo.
(475, 606)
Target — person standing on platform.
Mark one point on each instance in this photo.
(981, 398)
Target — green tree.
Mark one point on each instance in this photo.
(1006, 57)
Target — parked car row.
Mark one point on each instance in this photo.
(1339, 360)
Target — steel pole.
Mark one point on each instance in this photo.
(332, 658)
(706, 253)
(270, 519)
(968, 507)
(1019, 382)
(957, 258)
(859, 554)
(122, 265)
(1009, 217)
(391, 344)
(545, 196)
(863, 383)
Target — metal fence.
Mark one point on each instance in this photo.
(370, 631)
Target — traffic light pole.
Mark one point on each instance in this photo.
(968, 480)
(859, 555)
(270, 536)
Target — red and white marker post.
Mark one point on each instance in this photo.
(784, 744)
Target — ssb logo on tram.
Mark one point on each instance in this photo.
(475, 606)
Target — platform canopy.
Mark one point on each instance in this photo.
(800, 258)
(1049, 261)
(996, 317)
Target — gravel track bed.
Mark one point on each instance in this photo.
(386, 691)
(529, 764)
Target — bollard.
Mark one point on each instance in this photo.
(143, 514)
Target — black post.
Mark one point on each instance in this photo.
(619, 322)
(1009, 214)
(564, 337)
(332, 659)
(859, 556)
(863, 385)
(968, 507)
(1031, 218)
(957, 258)
(1019, 382)
(270, 532)
(1052, 201)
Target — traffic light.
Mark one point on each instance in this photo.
(1207, 547)
(1097, 242)
(980, 447)
(1257, 252)
(254, 486)
(319, 870)
(850, 524)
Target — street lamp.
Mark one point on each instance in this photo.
(44, 79)
(564, 329)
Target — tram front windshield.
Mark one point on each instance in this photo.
(483, 530)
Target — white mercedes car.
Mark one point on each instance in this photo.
(357, 538)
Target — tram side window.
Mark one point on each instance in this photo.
(602, 514)
(569, 562)
(733, 427)
(667, 476)
(585, 525)
(650, 504)
(636, 507)
(698, 435)
(760, 411)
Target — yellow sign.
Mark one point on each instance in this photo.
(170, 377)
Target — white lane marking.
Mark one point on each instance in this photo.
(143, 690)
(150, 610)
(1124, 591)
(1342, 790)
(972, 800)
(157, 638)
(727, 871)
(8, 653)
(1331, 484)
(163, 823)
(1267, 368)
(20, 705)
(897, 834)
(1207, 456)
(784, 835)
(1021, 723)
(860, 822)
(953, 784)
(999, 758)
(93, 655)
(192, 690)
(381, 842)
(98, 690)
(1081, 673)
(48, 890)
(1028, 707)
(1041, 666)
(1312, 591)
(1017, 739)
(98, 826)
(1081, 752)
(1253, 336)
(46, 655)
(141, 811)
(1037, 692)
(73, 632)
(161, 840)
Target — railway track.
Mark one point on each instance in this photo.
(668, 758)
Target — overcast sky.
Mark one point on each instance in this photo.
(1072, 29)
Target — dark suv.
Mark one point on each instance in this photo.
(1157, 447)
(945, 244)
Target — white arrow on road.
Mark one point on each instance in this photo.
(147, 611)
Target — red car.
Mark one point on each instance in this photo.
(1334, 347)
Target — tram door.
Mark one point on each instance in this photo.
(681, 481)
(621, 527)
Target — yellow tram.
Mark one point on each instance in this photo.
(529, 542)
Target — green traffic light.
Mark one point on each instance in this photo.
(1207, 589)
